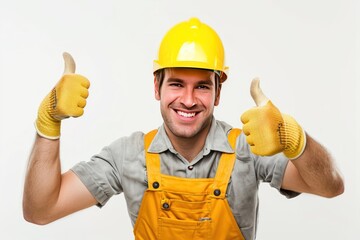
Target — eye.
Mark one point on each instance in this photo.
(175, 85)
(203, 87)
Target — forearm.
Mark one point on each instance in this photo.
(317, 169)
(48, 194)
(43, 179)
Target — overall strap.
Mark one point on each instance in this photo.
(152, 161)
(224, 170)
(225, 167)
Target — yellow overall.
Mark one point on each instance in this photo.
(175, 208)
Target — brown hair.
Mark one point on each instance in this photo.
(160, 75)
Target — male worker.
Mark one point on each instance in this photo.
(194, 177)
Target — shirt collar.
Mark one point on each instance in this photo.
(217, 138)
(161, 142)
(215, 141)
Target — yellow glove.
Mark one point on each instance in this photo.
(66, 99)
(268, 131)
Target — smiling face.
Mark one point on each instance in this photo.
(187, 99)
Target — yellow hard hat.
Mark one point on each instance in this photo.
(192, 44)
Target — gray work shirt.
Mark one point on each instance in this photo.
(120, 167)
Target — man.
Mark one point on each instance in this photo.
(194, 177)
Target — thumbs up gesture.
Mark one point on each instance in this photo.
(66, 99)
(268, 131)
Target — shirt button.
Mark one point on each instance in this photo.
(191, 167)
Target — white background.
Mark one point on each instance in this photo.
(305, 52)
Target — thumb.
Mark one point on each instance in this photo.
(257, 94)
(69, 63)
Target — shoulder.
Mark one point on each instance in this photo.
(127, 145)
(135, 139)
(223, 125)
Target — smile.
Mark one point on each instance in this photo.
(187, 115)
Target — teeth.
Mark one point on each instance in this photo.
(184, 114)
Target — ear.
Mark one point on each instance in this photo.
(217, 96)
(157, 89)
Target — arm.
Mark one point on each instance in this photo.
(313, 172)
(49, 195)
(310, 169)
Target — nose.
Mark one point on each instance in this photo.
(188, 98)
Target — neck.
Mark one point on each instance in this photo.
(189, 148)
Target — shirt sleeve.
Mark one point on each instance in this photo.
(269, 169)
(101, 175)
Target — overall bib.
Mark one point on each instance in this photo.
(175, 208)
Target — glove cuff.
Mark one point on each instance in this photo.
(45, 125)
(294, 138)
(47, 131)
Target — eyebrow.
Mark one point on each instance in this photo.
(179, 80)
